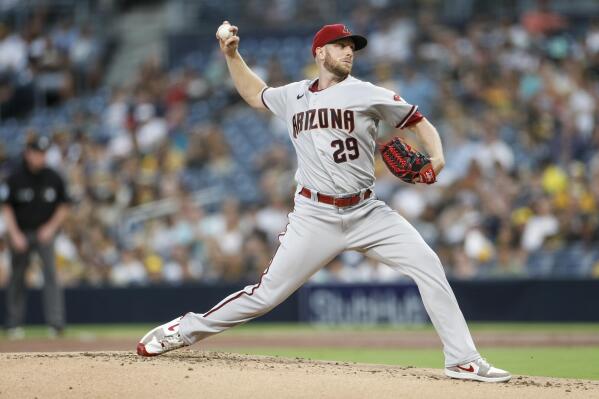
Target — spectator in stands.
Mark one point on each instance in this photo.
(542, 20)
(272, 218)
(229, 239)
(16, 89)
(129, 270)
(13, 52)
(53, 79)
(84, 54)
(370, 270)
(255, 255)
(335, 272)
(540, 226)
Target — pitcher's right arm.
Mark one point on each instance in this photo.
(248, 84)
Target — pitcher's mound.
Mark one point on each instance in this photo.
(188, 373)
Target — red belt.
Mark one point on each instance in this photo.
(338, 202)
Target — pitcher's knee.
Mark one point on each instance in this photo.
(428, 259)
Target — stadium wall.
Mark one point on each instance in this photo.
(519, 300)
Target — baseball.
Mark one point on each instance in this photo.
(223, 32)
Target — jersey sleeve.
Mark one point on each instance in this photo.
(390, 107)
(275, 99)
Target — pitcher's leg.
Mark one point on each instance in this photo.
(308, 244)
(393, 241)
(439, 301)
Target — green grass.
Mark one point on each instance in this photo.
(572, 362)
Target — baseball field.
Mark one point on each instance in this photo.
(299, 361)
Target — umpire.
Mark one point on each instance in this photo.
(35, 205)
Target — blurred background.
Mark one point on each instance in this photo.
(177, 182)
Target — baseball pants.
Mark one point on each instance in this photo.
(318, 232)
(52, 294)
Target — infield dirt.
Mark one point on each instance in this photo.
(190, 373)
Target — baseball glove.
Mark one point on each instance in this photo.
(409, 165)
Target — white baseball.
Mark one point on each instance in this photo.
(223, 32)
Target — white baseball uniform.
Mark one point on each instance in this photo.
(333, 132)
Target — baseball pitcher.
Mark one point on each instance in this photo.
(332, 122)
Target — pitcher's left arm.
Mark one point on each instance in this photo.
(430, 139)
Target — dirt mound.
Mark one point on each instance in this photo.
(189, 373)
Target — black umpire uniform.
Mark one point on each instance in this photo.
(34, 206)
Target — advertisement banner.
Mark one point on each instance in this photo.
(361, 304)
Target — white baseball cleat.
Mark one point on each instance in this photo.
(478, 370)
(161, 339)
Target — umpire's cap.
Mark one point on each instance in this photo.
(329, 33)
(39, 143)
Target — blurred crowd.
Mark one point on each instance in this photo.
(46, 61)
(515, 100)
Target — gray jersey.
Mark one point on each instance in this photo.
(334, 130)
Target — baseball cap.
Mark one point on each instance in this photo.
(41, 143)
(329, 33)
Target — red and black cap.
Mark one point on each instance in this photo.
(330, 33)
